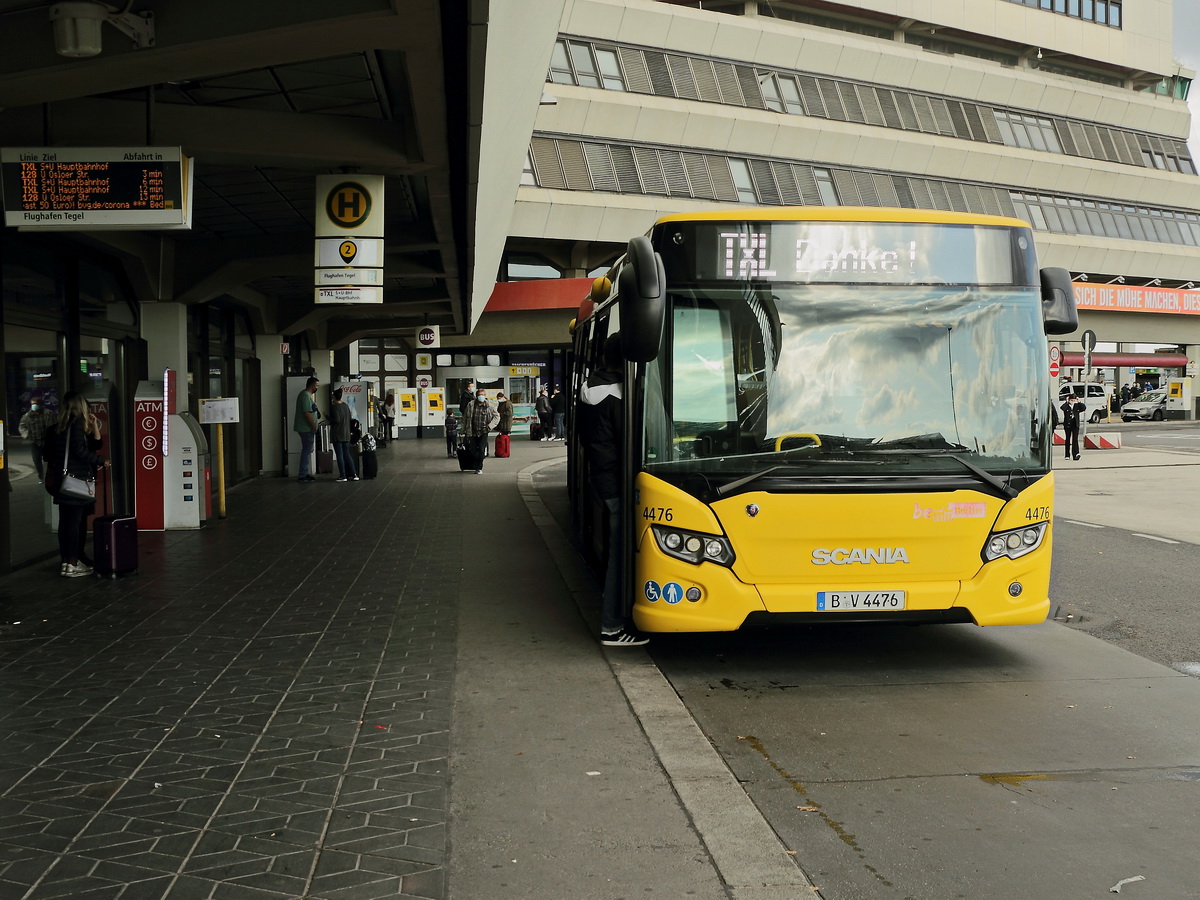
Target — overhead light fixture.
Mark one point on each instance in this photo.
(1120, 279)
(1187, 285)
(1153, 282)
(1082, 276)
(77, 26)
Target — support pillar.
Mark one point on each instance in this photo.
(276, 407)
(164, 329)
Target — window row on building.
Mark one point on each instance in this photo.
(572, 164)
(1006, 53)
(1102, 12)
(1072, 215)
(645, 71)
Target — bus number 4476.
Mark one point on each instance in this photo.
(658, 513)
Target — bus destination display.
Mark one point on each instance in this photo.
(848, 253)
(80, 188)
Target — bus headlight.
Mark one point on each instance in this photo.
(694, 547)
(1014, 543)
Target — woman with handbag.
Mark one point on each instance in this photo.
(71, 463)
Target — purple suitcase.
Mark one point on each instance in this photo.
(115, 543)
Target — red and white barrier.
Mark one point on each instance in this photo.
(1098, 441)
(1102, 441)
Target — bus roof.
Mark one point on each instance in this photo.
(841, 214)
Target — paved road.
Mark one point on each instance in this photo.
(958, 762)
(953, 761)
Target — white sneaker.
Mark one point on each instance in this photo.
(75, 571)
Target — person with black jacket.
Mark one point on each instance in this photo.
(600, 420)
(558, 408)
(465, 398)
(1073, 410)
(542, 407)
(72, 445)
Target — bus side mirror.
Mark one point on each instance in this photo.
(1059, 314)
(641, 289)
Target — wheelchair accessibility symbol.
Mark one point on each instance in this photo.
(652, 591)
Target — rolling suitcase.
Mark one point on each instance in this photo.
(114, 544)
(370, 463)
(324, 462)
(466, 458)
(324, 450)
(502, 446)
(535, 431)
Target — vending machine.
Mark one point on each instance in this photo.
(356, 394)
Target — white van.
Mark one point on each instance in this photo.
(1095, 396)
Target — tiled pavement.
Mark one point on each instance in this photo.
(262, 712)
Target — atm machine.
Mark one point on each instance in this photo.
(172, 474)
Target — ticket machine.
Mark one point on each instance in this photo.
(408, 416)
(433, 412)
(1179, 398)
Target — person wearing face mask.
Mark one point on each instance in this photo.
(481, 418)
(33, 428)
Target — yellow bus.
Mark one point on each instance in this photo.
(831, 414)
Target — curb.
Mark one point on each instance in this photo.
(746, 851)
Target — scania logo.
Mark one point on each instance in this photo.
(843, 557)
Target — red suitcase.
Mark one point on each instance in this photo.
(502, 445)
(115, 544)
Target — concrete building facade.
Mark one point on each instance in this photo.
(1071, 115)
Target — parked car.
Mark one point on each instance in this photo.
(1094, 396)
(1149, 405)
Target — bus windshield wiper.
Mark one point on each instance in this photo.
(732, 486)
(1002, 487)
(924, 445)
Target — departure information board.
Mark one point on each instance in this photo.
(96, 188)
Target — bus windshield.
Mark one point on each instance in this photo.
(826, 379)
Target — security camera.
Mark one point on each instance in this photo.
(77, 27)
